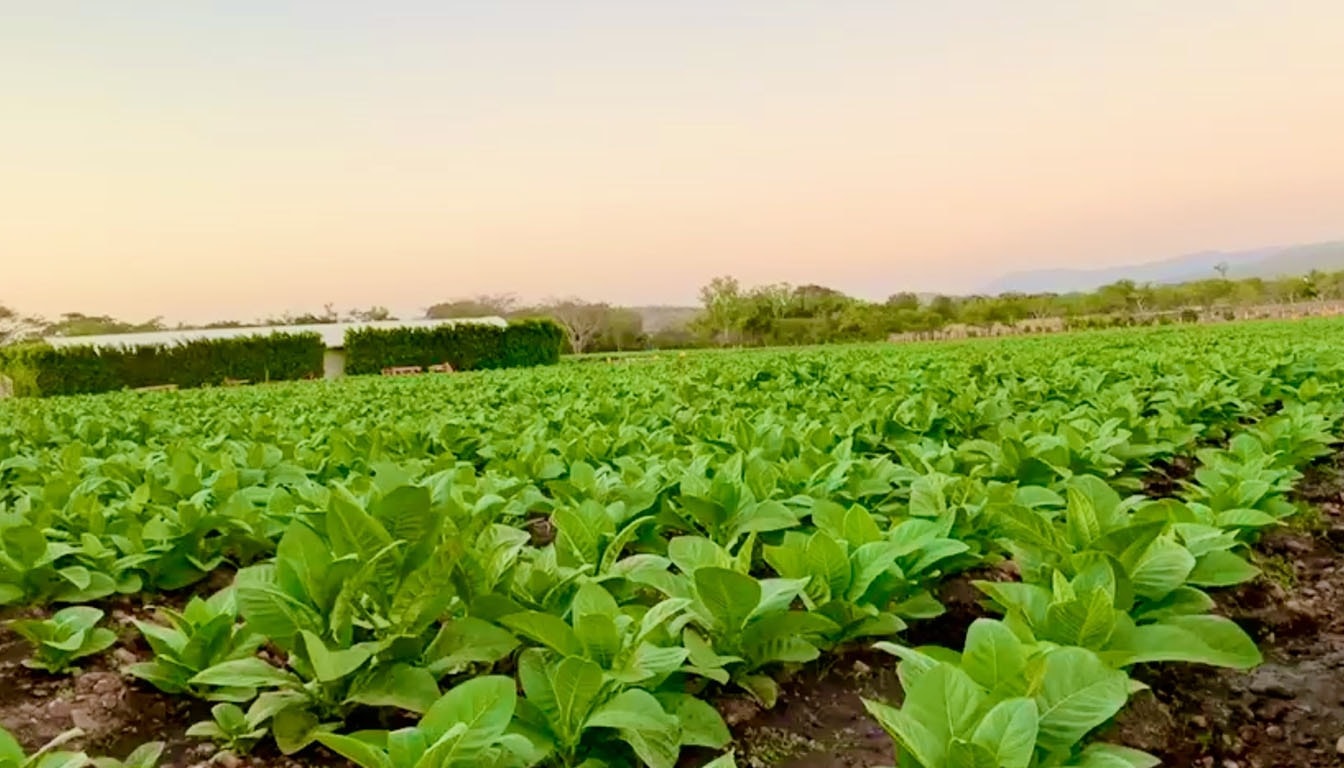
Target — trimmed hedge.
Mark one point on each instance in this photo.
(465, 346)
(39, 369)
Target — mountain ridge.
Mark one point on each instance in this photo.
(1268, 262)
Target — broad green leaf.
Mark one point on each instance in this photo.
(993, 657)
(599, 636)
(701, 724)
(1221, 568)
(1180, 602)
(1113, 756)
(359, 752)
(1163, 566)
(691, 553)
(330, 666)
(947, 700)
(1081, 519)
(484, 704)
(1008, 732)
(465, 641)
(1212, 640)
(565, 691)
(1087, 621)
(546, 629)
(914, 663)
(592, 598)
(294, 729)
(580, 531)
(869, 562)
(729, 596)
(405, 513)
(355, 532)
(408, 746)
(921, 740)
(11, 753)
(639, 718)
(649, 661)
(1074, 692)
(396, 685)
(244, 673)
(762, 687)
(828, 564)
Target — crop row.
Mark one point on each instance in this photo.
(565, 566)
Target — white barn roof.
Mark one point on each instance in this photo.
(333, 334)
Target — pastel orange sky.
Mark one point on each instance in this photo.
(164, 158)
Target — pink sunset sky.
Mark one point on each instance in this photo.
(227, 160)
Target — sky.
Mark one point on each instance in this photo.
(238, 158)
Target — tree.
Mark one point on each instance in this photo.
(500, 305)
(944, 307)
(903, 300)
(16, 327)
(622, 329)
(80, 324)
(815, 301)
(1124, 296)
(582, 321)
(723, 309)
(370, 315)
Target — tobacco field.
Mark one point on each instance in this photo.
(646, 563)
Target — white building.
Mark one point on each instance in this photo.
(333, 336)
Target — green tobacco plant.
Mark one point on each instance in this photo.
(1091, 612)
(633, 648)
(468, 726)
(735, 625)
(35, 569)
(144, 756)
(575, 714)
(622, 643)
(1122, 579)
(204, 634)
(1242, 486)
(231, 728)
(1002, 703)
(726, 507)
(49, 756)
(353, 610)
(69, 635)
(861, 579)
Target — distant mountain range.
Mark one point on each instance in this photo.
(1260, 262)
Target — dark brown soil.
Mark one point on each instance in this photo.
(820, 719)
(1165, 479)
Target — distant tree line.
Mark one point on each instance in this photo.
(811, 314)
(780, 314)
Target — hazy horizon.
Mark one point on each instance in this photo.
(204, 164)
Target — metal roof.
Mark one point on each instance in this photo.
(333, 334)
